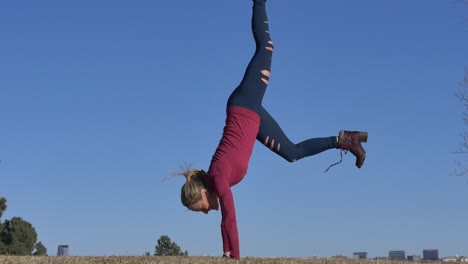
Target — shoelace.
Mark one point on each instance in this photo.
(336, 163)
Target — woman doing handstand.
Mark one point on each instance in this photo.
(246, 121)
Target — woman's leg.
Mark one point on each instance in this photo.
(249, 93)
(272, 136)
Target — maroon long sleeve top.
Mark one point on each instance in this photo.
(229, 166)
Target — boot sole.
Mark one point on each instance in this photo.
(362, 161)
(363, 139)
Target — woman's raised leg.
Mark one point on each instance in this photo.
(249, 93)
(272, 136)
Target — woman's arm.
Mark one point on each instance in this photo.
(229, 224)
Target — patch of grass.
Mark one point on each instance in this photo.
(181, 260)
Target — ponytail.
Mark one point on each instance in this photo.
(194, 184)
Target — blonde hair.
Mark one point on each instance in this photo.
(194, 184)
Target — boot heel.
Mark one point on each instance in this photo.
(363, 137)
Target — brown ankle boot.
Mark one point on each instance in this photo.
(351, 140)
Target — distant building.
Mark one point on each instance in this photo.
(63, 250)
(450, 259)
(359, 255)
(381, 258)
(414, 258)
(396, 255)
(430, 254)
(455, 259)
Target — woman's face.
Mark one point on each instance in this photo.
(207, 202)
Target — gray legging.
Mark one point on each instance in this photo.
(249, 94)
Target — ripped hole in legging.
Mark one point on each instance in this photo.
(266, 73)
(270, 48)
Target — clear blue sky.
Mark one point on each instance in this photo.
(99, 100)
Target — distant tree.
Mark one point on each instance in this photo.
(3, 249)
(466, 3)
(3, 206)
(166, 247)
(40, 249)
(18, 237)
(462, 95)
